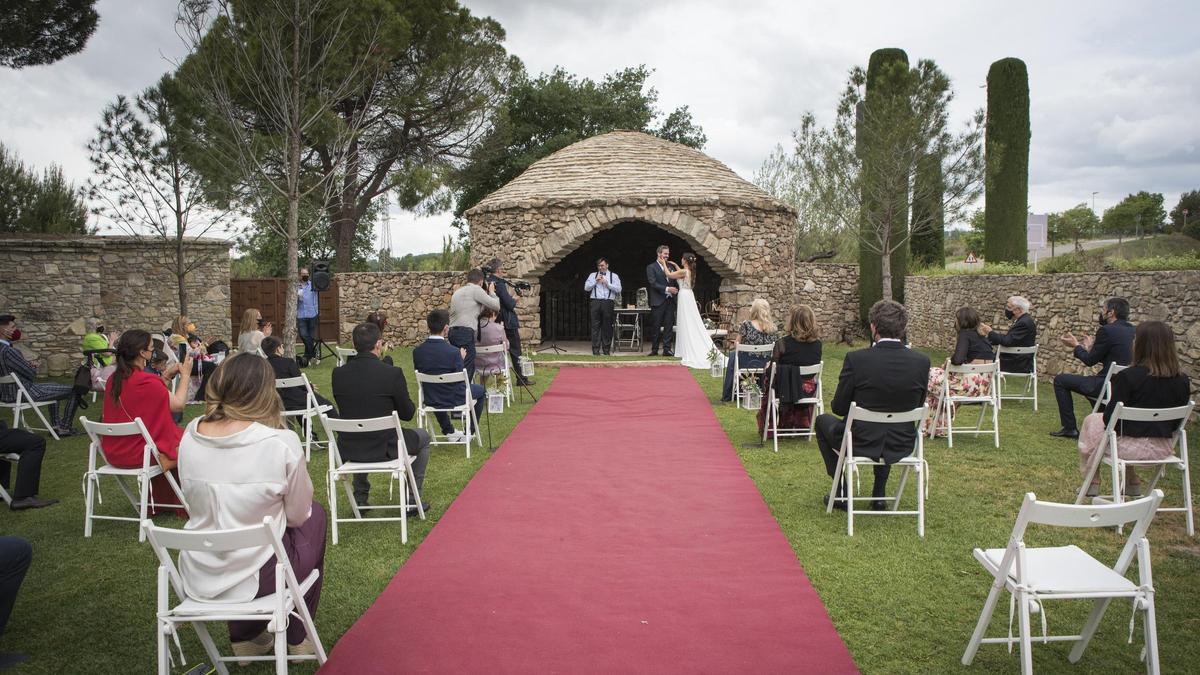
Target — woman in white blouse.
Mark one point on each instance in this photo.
(237, 465)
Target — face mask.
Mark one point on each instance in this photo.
(260, 323)
(303, 277)
(16, 335)
(100, 330)
(1008, 314)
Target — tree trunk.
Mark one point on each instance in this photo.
(293, 184)
(181, 275)
(885, 264)
(343, 244)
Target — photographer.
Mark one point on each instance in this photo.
(465, 306)
(603, 288)
(494, 272)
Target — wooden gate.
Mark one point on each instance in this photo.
(267, 295)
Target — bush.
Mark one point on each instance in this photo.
(987, 268)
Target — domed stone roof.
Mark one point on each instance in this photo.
(629, 166)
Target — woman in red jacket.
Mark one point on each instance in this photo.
(133, 392)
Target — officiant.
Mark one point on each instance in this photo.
(604, 290)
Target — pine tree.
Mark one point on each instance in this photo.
(1007, 155)
(928, 242)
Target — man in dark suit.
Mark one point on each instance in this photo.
(294, 398)
(887, 377)
(436, 356)
(663, 290)
(508, 317)
(29, 449)
(364, 388)
(1022, 333)
(1113, 344)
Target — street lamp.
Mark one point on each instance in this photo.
(1094, 201)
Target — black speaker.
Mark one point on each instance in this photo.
(322, 278)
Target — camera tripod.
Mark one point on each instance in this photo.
(553, 346)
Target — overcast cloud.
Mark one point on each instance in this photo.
(1114, 85)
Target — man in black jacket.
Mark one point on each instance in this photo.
(364, 388)
(294, 398)
(29, 449)
(508, 317)
(1022, 333)
(887, 377)
(1113, 344)
(663, 290)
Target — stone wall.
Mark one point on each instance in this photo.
(53, 284)
(407, 297)
(831, 290)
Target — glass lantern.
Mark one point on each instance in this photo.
(495, 401)
(753, 400)
(526, 366)
(716, 369)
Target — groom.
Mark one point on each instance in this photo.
(662, 303)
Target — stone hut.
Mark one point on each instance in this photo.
(620, 195)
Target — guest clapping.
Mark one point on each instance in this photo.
(239, 465)
(1022, 333)
(1154, 381)
(801, 346)
(969, 347)
(13, 362)
(758, 329)
(253, 330)
(1113, 344)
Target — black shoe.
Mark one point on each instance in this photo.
(65, 433)
(838, 503)
(595, 352)
(879, 505)
(412, 508)
(668, 352)
(608, 353)
(31, 503)
(653, 352)
(1065, 433)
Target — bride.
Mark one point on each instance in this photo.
(692, 342)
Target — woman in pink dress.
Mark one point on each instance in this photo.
(491, 333)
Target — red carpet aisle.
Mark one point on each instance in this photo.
(614, 531)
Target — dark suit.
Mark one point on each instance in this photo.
(294, 397)
(1113, 344)
(662, 304)
(436, 356)
(365, 388)
(1022, 333)
(512, 325)
(29, 448)
(885, 378)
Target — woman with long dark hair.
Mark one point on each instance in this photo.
(969, 348)
(132, 392)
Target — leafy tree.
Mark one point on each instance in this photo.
(973, 238)
(31, 203)
(266, 250)
(928, 243)
(1135, 214)
(1074, 224)
(37, 32)
(541, 115)
(1188, 223)
(1007, 143)
(142, 184)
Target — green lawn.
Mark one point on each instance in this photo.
(1149, 247)
(902, 604)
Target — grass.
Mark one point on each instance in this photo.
(1162, 245)
(902, 604)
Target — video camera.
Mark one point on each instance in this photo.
(489, 275)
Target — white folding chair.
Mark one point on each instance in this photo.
(399, 470)
(306, 415)
(22, 402)
(1030, 392)
(1109, 453)
(149, 469)
(947, 404)
(465, 411)
(343, 354)
(739, 370)
(11, 458)
(1035, 575)
(848, 467)
(771, 427)
(1106, 388)
(277, 609)
(627, 331)
(507, 372)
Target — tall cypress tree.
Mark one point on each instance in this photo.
(870, 272)
(928, 239)
(1007, 154)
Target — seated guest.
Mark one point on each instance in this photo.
(1022, 333)
(365, 388)
(15, 557)
(1153, 381)
(1113, 344)
(970, 347)
(95, 339)
(800, 347)
(759, 329)
(132, 392)
(13, 362)
(436, 356)
(254, 329)
(294, 398)
(237, 466)
(491, 333)
(183, 339)
(380, 318)
(886, 377)
(29, 448)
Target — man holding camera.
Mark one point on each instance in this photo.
(508, 313)
(465, 305)
(306, 315)
(604, 290)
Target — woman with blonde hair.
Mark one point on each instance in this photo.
(253, 330)
(757, 329)
(800, 346)
(238, 465)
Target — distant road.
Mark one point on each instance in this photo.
(1044, 253)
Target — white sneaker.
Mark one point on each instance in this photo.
(456, 437)
(305, 648)
(259, 646)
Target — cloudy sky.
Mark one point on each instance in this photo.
(1114, 85)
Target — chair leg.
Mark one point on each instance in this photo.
(346, 481)
(996, 422)
(404, 509)
(1089, 629)
(1188, 514)
(210, 647)
(89, 505)
(985, 618)
(281, 664)
(848, 477)
(1026, 641)
(920, 500)
(331, 480)
(163, 649)
(900, 488)
(143, 498)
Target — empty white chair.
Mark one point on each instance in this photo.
(1109, 453)
(506, 374)
(848, 467)
(1030, 392)
(22, 401)
(149, 470)
(464, 411)
(277, 609)
(11, 458)
(1106, 388)
(399, 470)
(771, 426)
(741, 351)
(311, 409)
(1034, 576)
(343, 354)
(627, 331)
(947, 403)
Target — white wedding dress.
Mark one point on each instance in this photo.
(692, 343)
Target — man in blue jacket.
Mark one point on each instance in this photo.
(1113, 344)
(436, 356)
